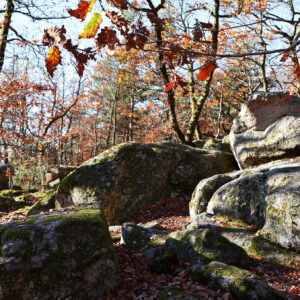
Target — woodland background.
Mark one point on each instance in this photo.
(157, 70)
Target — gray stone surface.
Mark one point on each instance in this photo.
(241, 283)
(57, 257)
(131, 176)
(267, 128)
(267, 197)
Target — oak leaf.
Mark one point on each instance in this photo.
(56, 35)
(53, 60)
(121, 4)
(84, 7)
(197, 32)
(92, 27)
(107, 39)
(206, 70)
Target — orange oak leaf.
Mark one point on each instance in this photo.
(92, 27)
(54, 35)
(84, 7)
(206, 70)
(53, 60)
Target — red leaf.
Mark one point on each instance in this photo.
(169, 86)
(206, 70)
(84, 7)
(285, 56)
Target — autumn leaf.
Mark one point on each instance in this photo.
(53, 60)
(169, 86)
(56, 35)
(206, 70)
(92, 27)
(285, 56)
(197, 31)
(121, 4)
(206, 25)
(107, 38)
(84, 7)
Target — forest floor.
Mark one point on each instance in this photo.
(139, 283)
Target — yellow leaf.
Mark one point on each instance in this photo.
(92, 27)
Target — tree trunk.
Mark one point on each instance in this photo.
(131, 113)
(5, 29)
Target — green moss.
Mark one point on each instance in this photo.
(231, 221)
(45, 202)
(86, 215)
(263, 248)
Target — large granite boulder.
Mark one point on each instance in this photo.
(267, 197)
(266, 129)
(243, 198)
(131, 176)
(57, 257)
(205, 190)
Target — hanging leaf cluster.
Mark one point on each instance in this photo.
(123, 32)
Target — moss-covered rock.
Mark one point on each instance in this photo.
(282, 224)
(243, 198)
(12, 200)
(45, 201)
(204, 245)
(131, 176)
(199, 143)
(217, 144)
(263, 248)
(174, 293)
(136, 237)
(241, 283)
(57, 257)
(266, 129)
(241, 234)
(205, 190)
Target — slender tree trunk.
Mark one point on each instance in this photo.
(5, 29)
(131, 113)
(166, 79)
(205, 92)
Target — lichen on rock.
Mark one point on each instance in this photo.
(241, 283)
(132, 176)
(57, 256)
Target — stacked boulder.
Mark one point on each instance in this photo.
(265, 194)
